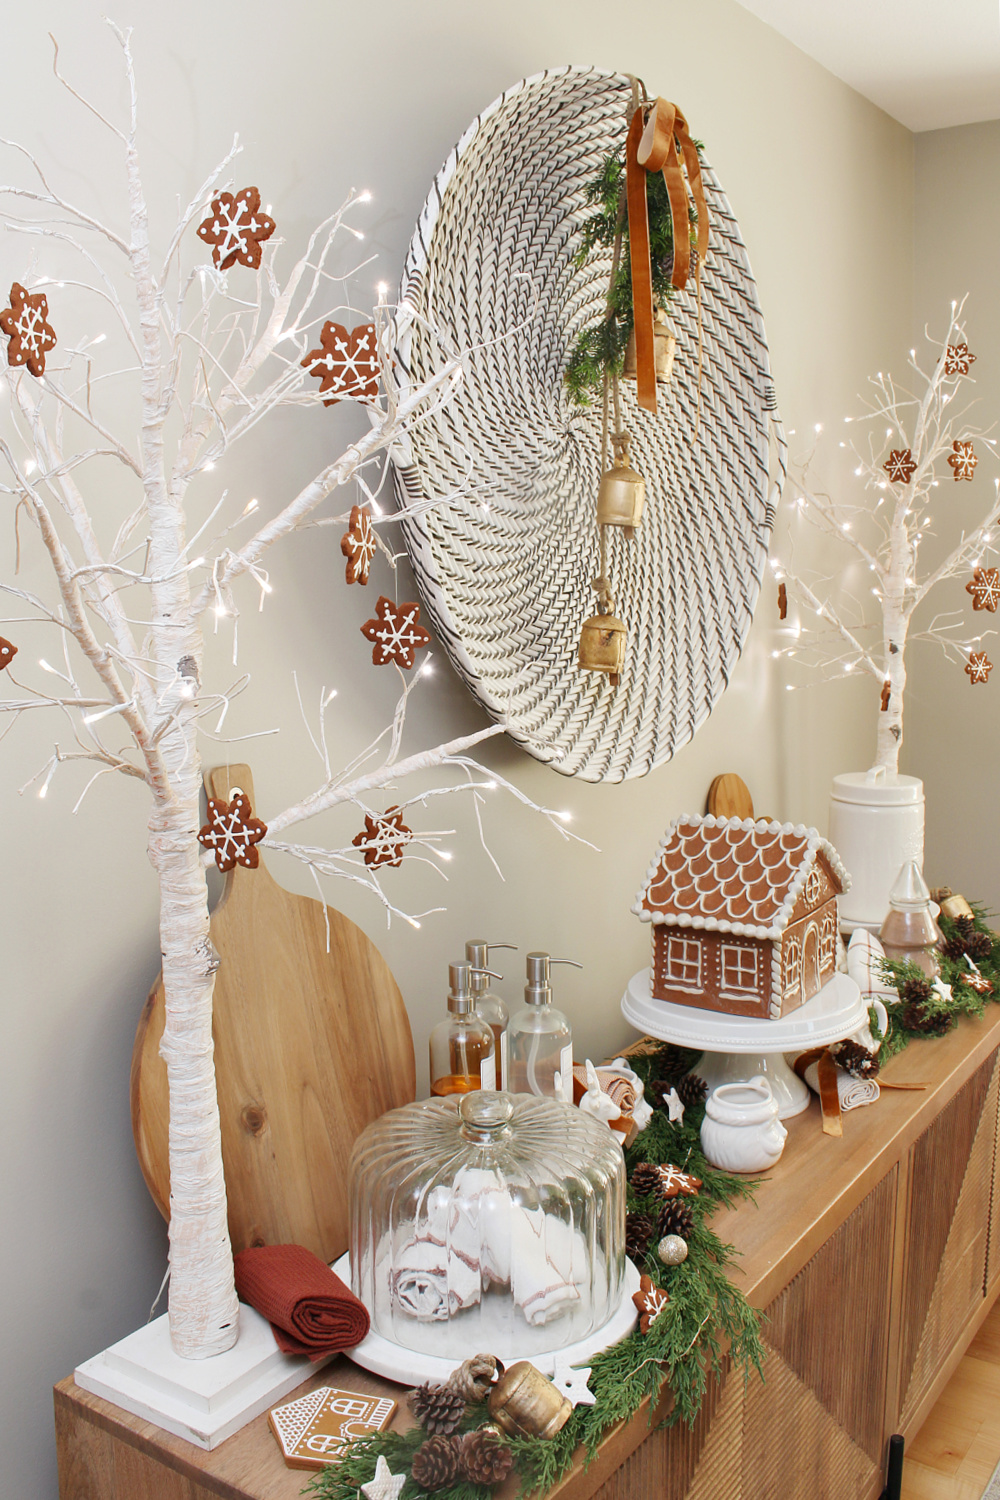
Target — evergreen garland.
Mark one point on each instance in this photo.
(682, 1349)
(601, 349)
(965, 1001)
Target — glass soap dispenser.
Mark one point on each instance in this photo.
(489, 1007)
(463, 1055)
(541, 1041)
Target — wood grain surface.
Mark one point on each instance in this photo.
(310, 1046)
(729, 797)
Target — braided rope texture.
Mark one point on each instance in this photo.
(504, 570)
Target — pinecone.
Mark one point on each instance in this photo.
(979, 945)
(675, 1218)
(638, 1233)
(645, 1179)
(438, 1408)
(673, 1062)
(856, 1060)
(914, 1017)
(692, 1090)
(436, 1462)
(916, 991)
(484, 1458)
(967, 939)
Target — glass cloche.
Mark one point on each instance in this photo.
(496, 1222)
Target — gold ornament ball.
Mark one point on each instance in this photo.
(672, 1250)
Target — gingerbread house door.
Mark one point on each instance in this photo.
(810, 963)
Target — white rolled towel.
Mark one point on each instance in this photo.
(472, 1235)
(853, 1091)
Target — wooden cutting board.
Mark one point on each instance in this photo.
(310, 1046)
(729, 797)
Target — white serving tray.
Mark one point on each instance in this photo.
(408, 1367)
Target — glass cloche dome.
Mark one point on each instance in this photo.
(494, 1222)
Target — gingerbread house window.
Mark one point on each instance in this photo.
(828, 938)
(793, 965)
(684, 963)
(739, 969)
(814, 886)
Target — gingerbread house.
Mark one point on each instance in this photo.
(744, 914)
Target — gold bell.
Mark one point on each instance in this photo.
(621, 497)
(664, 348)
(602, 646)
(525, 1403)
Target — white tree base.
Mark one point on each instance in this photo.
(202, 1400)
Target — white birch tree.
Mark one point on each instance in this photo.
(915, 444)
(211, 356)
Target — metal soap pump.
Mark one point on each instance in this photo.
(489, 1007)
(461, 1046)
(541, 1041)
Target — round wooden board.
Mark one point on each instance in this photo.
(310, 1046)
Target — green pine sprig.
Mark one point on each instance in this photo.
(600, 348)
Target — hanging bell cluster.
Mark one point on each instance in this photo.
(602, 644)
(664, 348)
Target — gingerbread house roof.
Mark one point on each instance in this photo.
(733, 875)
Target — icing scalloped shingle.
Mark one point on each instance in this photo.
(732, 874)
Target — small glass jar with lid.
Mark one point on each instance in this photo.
(491, 1221)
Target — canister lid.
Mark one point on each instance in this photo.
(870, 789)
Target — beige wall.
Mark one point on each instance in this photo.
(951, 733)
(329, 95)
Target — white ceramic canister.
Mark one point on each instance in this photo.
(741, 1131)
(876, 825)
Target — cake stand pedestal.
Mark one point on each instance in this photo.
(738, 1048)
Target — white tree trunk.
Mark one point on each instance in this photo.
(204, 1312)
(895, 622)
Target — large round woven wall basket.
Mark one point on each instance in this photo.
(505, 561)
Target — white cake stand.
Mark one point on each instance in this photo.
(409, 1367)
(738, 1048)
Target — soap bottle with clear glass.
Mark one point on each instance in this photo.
(462, 1049)
(541, 1040)
(489, 1006)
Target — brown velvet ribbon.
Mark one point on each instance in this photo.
(829, 1094)
(659, 141)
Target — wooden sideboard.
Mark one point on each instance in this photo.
(875, 1258)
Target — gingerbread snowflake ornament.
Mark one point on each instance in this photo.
(394, 633)
(962, 460)
(985, 589)
(384, 839)
(7, 653)
(358, 545)
(978, 667)
(26, 324)
(650, 1301)
(976, 979)
(232, 832)
(676, 1184)
(958, 359)
(900, 466)
(345, 363)
(236, 228)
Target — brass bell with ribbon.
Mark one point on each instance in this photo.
(622, 493)
(602, 644)
(525, 1403)
(664, 349)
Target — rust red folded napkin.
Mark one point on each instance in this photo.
(308, 1306)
